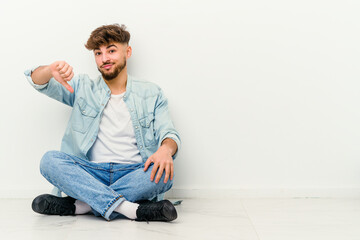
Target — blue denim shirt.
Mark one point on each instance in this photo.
(145, 101)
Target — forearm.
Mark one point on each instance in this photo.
(170, 145)
(41, 75)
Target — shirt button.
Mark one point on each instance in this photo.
(140, 146)
(136, 127)
(83, 111)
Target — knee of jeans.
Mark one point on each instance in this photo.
(47, 162)
(150, 191)
(168, 185)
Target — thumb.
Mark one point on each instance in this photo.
(67, 86)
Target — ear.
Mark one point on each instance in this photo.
(128, 52)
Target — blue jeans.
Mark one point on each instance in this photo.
(103, 186)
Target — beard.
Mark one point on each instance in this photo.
(111, 75)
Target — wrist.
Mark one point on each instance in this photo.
(165, 149)
(48, 71)
(169, 146)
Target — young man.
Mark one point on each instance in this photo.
(118, 149)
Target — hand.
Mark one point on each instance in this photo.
(62, 72)
(162, 161)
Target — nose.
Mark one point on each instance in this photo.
(105, 58)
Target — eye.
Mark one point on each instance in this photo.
(97, 53)
(112, 51)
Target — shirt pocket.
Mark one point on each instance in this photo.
(83, 116)
(147, 128)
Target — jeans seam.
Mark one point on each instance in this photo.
(112, 203)
(90, 166)
(127, 168)
(80, 162)
(110, 178)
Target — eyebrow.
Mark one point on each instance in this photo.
(112, 45)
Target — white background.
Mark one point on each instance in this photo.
(265, 94)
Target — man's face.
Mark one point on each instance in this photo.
(111, 59)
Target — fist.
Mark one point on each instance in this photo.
(62, 72)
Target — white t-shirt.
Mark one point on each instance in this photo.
(116, 138)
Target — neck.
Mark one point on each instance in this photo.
(118, 85)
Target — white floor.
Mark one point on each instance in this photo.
(264, 219)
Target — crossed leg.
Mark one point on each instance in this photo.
(86, 181)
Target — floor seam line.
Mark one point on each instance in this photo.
(251, 222)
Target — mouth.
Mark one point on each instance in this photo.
(106, 66)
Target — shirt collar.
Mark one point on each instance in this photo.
(128, 85)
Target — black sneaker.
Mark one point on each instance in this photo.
(52, 205)
(156, 211)
(144, 201)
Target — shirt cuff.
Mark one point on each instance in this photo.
(28, 77)
(177, 141)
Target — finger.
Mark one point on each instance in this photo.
(167, 173)
(70, 77)
(60, 66)
(67, 73)
(153, 172)
(147, 164)
(64, 68)
(159, 174)
(172, 172)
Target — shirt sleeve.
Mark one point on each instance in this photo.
(163, 125)
(54, 89)
(28, 77)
